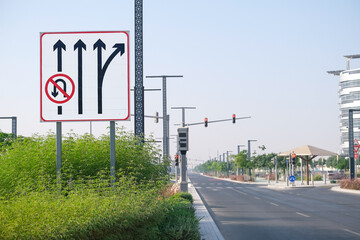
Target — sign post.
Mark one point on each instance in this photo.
(94, 67)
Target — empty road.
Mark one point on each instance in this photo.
(252, 211)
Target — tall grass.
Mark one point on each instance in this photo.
(30, 164)
(88, 207)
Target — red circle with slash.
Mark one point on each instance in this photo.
(66, 95)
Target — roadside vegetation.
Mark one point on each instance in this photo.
(240, 167)
(85, 205)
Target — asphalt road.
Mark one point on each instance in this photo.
(252, 211)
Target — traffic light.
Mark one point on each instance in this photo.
(176, 160)
(293, 158)
(206, 122)
(234, 118)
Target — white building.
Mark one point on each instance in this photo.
(349, 98)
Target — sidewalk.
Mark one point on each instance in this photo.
(208, 228)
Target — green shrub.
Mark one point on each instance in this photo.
(180, 221)
(318, 177)
(184, 195)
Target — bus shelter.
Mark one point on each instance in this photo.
(307, 153)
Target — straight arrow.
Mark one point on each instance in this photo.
(59, 45)
(99, 45)
(80, 45)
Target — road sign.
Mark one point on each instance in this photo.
(356, 145)
(292, 178)
(84, 76)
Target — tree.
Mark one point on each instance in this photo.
(343, 164)
(241, 160)
(264, 161)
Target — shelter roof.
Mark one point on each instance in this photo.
(308, 150)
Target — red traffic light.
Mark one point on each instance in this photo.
(206, 122)
(234, 118)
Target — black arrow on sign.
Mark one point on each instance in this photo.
(55, 92)
(80, 45)
(119, 48)
(58, 46)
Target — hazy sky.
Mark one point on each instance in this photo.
(264, 59)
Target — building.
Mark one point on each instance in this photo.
(349, 98)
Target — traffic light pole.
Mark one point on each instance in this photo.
(215, 121)
(351, 143)
(183, 175)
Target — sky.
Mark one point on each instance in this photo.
(258, 58)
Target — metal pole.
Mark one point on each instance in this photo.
(351, 144)
(14, 126)
(276, 171)
(112, 152)
(183, 181)
(227, 163)
(301, 172)
(312, 172)
(139, 87)
(165, 121)
(58, 153)
(248, 155)
(287, 172)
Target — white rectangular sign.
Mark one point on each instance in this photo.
(84, 76)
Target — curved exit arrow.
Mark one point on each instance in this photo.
(99, 45)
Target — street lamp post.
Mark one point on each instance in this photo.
(166, 117)
(227, 162)
(237, 169)
(249, 154)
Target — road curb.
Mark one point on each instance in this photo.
(208, 228)
(339, 189)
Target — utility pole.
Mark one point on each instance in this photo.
(183, 113)
(238, 147)
(249, 154)
(238, 151)
(139, 87)
(227, 162)
(166, 117)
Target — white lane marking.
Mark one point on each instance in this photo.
(274, 204)
(355, 233)
(240, 192)
(301, 214)
(257, 198)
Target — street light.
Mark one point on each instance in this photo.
(227, 162)
(237, 169)
(166, 117)
(249, 154)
